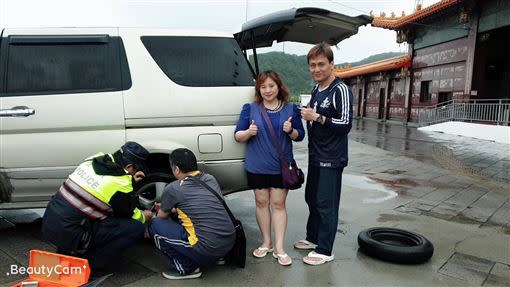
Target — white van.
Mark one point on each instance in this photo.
(67, 93)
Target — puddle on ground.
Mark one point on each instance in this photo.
(394, 171)
(394, 183)
(366, 183)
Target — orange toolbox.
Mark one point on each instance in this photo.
(47, 269)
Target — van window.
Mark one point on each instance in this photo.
(200, 61)
(65, 64)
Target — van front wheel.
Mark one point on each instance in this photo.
(151, 187)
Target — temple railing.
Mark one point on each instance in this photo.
(494, 111)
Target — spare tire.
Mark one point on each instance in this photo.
(395, 245)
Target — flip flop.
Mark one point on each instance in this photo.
(304, 244)
(314, 258)
(261, 251)
(282, 257)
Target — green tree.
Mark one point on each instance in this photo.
(294, 69)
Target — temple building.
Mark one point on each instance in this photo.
(456, 51)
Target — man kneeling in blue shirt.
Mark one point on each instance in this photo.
(203, 231)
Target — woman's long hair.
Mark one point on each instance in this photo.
(283, 91)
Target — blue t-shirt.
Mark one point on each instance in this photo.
(261, 154)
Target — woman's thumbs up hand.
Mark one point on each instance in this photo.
(287, 126)
(253, 129)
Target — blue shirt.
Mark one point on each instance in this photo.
(261, 154)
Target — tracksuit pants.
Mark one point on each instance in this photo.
(322, 194)
(172, 239)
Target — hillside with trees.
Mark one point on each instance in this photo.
(294, 69)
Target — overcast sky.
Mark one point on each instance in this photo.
(221, 15)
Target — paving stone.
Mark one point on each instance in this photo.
(145, 254)
(504, 174)
(10, 279)
(483, 164)
(501, 164)
(491, 172)
(420, 191)
(463, 182)
(499, 276)
(128, 272)
(465, 155)
(471, 161)
(459, 182)
(428, 176)
(411, 210)
(481, 187)
(447, 210)
(476, 213)
(466, 197)
(5, 266)
(5, 260)
(485, 206)
(472, 269)
(444, 178)
(501, 216)
(420, 205)
(437, 196)
(10, 242)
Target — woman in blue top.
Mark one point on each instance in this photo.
(262, 159)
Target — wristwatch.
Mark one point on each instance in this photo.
(320, 119)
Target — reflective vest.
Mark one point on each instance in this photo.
(91, 193)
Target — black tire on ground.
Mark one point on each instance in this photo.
(149, 189)
(395, 245)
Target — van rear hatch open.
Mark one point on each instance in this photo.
(303, 25)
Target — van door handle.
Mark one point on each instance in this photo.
(18, 111)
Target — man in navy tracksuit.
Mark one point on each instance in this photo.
(329, 120)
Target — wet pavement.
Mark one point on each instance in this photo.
(402, 140)
(394, 179)
(464, 154)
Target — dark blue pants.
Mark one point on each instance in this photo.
(113, 236)
(172, 239)
(322, 194)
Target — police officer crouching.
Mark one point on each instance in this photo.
(94, 214)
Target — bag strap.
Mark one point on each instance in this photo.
(201, 182)
(276, 142)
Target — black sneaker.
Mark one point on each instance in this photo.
(174, 275)
(221, 261)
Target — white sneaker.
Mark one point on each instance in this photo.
(175, 275)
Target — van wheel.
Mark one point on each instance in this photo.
(151, 187)
(395, 245)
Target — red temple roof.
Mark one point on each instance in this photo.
(403, 61)
(398, 22)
